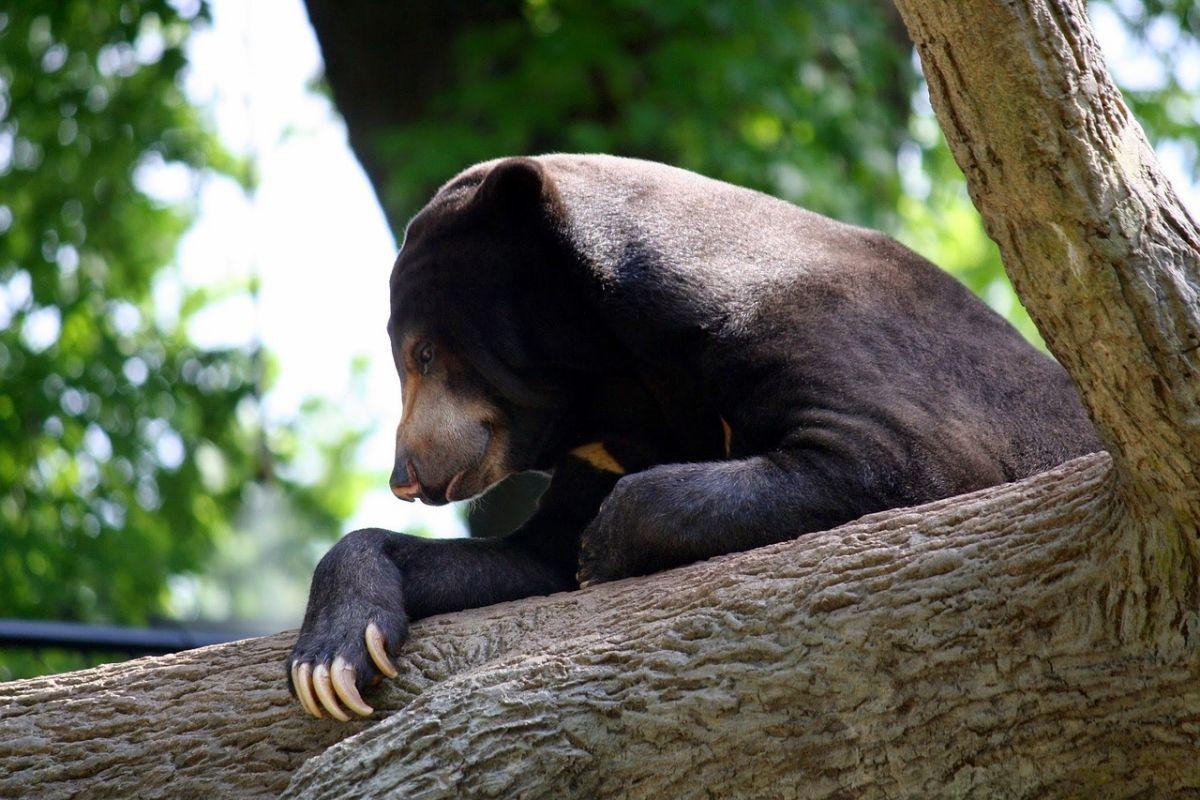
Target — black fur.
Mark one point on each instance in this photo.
(599, 299)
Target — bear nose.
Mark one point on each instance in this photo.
(404, 481)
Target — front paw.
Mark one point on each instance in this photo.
(353, 628)
(340, 653)
(608, 548)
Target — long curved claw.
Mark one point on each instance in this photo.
(302, 680)
(325, 693)
(342, 675)
(375, 646)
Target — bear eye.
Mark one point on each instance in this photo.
(424, 357)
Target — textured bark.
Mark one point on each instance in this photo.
(1033, 639)
(907, 651)
(213, 722)
(1099, 248)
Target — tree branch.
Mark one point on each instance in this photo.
(1098, 246)
(895, 656)
(798, 636)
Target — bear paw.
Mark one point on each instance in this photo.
(341, 651)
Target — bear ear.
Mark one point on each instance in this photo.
(514, 184)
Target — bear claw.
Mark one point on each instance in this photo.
(320, 679)
(302, 680)
(375, 646)
(342, 677)
(325, 689)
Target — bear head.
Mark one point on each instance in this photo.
(489, 334)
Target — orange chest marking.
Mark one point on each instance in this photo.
(598, 456)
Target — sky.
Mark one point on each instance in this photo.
(316, 238)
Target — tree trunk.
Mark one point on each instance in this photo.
(385, 62)
(1033, 639)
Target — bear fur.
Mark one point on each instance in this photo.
(702, 369)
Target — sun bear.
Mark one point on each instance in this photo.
(701, 368)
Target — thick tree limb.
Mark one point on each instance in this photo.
(817, 642)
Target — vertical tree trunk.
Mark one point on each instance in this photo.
(1103, 255)
(1098, 246)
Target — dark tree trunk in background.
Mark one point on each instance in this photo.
(384, 62)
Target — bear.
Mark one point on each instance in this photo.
(700, 368)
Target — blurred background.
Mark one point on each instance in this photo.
(200, 204)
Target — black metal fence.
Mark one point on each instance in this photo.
(110, 638)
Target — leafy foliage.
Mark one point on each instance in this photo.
(806, 102)
(125, 450)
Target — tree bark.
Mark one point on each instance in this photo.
(1098, 246)
(1033, 639)
(908, 653)
(927, 652)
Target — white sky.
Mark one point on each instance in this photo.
(317, 238)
